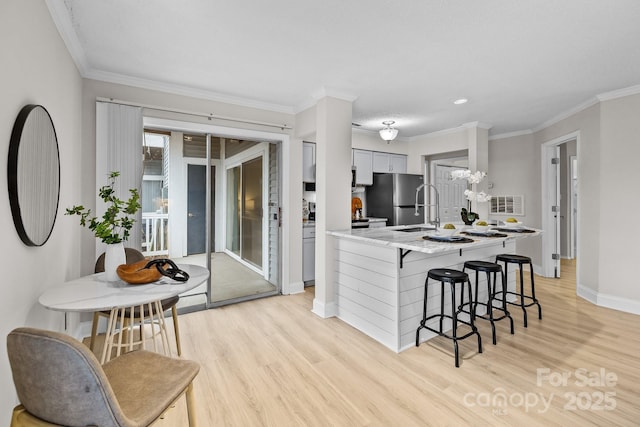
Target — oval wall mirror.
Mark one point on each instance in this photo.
(33, 175)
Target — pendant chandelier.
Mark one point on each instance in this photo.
(388, 133)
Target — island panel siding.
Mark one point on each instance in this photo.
(367, 291)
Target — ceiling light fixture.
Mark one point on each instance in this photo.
(460, 101)
(388, 133)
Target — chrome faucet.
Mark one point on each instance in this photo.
(435, 222)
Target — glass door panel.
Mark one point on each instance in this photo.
(251, 229)
(233, 210)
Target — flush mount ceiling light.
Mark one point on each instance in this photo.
(388, 133)
(460, 101)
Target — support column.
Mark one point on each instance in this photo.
(333, 194)
(478, 138)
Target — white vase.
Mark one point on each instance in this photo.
(113, 257)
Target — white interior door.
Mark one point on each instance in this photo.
(573, 213)
(552, 209)
(452, 198)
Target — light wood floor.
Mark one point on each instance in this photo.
(272, 362)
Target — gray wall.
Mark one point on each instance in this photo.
(36, 69)
(514, 169)
(607, 152)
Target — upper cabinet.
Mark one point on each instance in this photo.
(369, 162)
(363, 161)
(308, 162)
(387, 162)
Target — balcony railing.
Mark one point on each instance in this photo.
(155, 234)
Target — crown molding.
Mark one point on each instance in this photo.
(480, 125)
(620, 93)
(575, 110)
(439, 133)
(62, 20)
(462, 128)
(185, 91)
(511, 134)
(324, 92)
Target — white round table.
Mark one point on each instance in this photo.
(92, 293)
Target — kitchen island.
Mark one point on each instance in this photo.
(380, 276)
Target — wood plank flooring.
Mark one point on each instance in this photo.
(272, 362)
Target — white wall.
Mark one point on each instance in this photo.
(36, 69)
(514, 169)
(587, 122)
(449, 141)
(333, 192)
(619, 203)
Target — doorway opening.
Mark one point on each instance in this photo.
(205, 205)
(560, 213)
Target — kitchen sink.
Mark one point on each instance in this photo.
(416, 229)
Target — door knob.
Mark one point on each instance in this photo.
(190, 215)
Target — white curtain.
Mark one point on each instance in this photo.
(119, 135)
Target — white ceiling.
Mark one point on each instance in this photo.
(520, 63)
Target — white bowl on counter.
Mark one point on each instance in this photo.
(512, 224)
(481, 228)
(446, 232)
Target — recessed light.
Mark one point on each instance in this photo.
(460, 101)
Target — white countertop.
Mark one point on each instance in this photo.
(306, 224)
(392, 237)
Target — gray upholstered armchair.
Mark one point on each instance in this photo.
(59, 381)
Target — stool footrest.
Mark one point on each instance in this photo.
(534, 301)
(473, 331)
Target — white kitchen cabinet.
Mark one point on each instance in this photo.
(308, 162)
(308, 254)
(398, 163)
(363, 161)
(388, 162)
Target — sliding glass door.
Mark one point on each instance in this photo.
(245, 211)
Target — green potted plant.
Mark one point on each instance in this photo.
(115, 224)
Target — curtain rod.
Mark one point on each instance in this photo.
(209, 116)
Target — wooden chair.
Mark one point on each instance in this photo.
(133, 256)
(60, 382)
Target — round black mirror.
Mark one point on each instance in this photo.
(33, 175)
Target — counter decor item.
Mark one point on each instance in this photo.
(146, 271)
(468, 217)
(138, 273)
(472, 178)
(114, 226)
(447, 239)
(356, 208)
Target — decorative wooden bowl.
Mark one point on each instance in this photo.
(136, 274)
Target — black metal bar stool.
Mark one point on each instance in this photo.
(452, 277)
(520, 260)
(488, 268)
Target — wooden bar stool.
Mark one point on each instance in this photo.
(488, 268)
(520, 260)
(452, 278)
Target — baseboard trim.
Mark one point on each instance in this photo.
(324, 310)
(608, 301)
(293, 288)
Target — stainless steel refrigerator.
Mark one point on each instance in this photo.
(393, 196)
